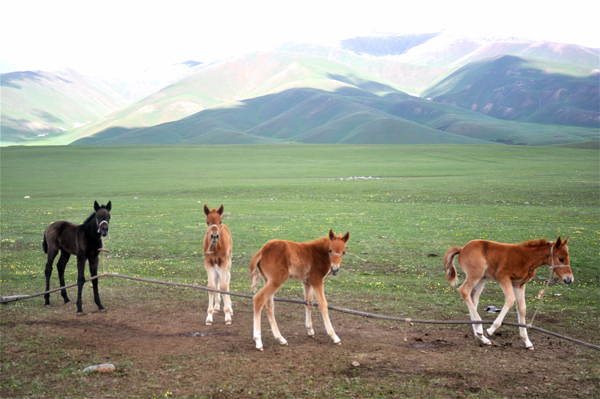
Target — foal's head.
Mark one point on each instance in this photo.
(213, 220)
(337, 249)
(559, 260)
(102, 217)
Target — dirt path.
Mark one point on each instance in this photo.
(163, 349)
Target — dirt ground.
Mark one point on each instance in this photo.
(163, 349)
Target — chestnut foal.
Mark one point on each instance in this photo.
(217, 261)
(308, 262)
(511, 265)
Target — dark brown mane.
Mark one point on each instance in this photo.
(536, 243)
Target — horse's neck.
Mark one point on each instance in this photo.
(318, 245)
(320, 249)
(537, 256)
(91, 229)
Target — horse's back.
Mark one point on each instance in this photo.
(484, 247)
(277, 248)
(61, 234)
(487, 256)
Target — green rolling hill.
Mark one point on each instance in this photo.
(524, 90)
(347, 115)
(45, 106)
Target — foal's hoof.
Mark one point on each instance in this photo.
(338, 343)
(80, 314)
(228, 323)
(208, 323)
(102, 310)
(48, 305)
(530, 348)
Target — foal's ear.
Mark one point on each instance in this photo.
(560, 243)
(346, 237)
(206, 210)
(96, 206)
(220, 211)
(331, 234)
(108, 206)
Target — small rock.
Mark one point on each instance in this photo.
(100, 368)
(355, 363)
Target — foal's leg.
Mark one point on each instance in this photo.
(48, 272)
(218, 282)
(308, 296)
(318, 290)
(521, 307)
(470, 290)
(225, 278)
(80, 282)
(60, 267)
(270, 310)
(93, 273)
(509, 300)
(260, 298)
(211, 274)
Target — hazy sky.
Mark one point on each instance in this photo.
(104, 38)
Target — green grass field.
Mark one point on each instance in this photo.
(413, 204)
(423, 199)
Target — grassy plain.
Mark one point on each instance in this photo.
(403, 205)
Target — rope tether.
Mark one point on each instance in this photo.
(349, 311)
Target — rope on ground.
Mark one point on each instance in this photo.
(409, 321)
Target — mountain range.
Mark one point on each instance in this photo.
(435, 88)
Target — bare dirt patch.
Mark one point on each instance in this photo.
(162, 348)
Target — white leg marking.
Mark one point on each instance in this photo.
(509, 300)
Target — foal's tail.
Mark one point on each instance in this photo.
(45, 244)
(449, 267)
(254, 272)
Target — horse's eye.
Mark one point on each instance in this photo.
(344, 253)
(330, 251)
(207, 223)
(561, 259)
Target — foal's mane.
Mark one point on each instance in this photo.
(89, 218)
(318, 241)
(536, 243)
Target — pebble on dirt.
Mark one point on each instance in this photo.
(100, 368)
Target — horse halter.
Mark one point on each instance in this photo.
(336, 254)
(553, 266)
(100, 224)
(210, 241)
(211, 226)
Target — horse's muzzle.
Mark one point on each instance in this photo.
(568, 279)
(104, 232)
(214, 238)
(335, 270)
